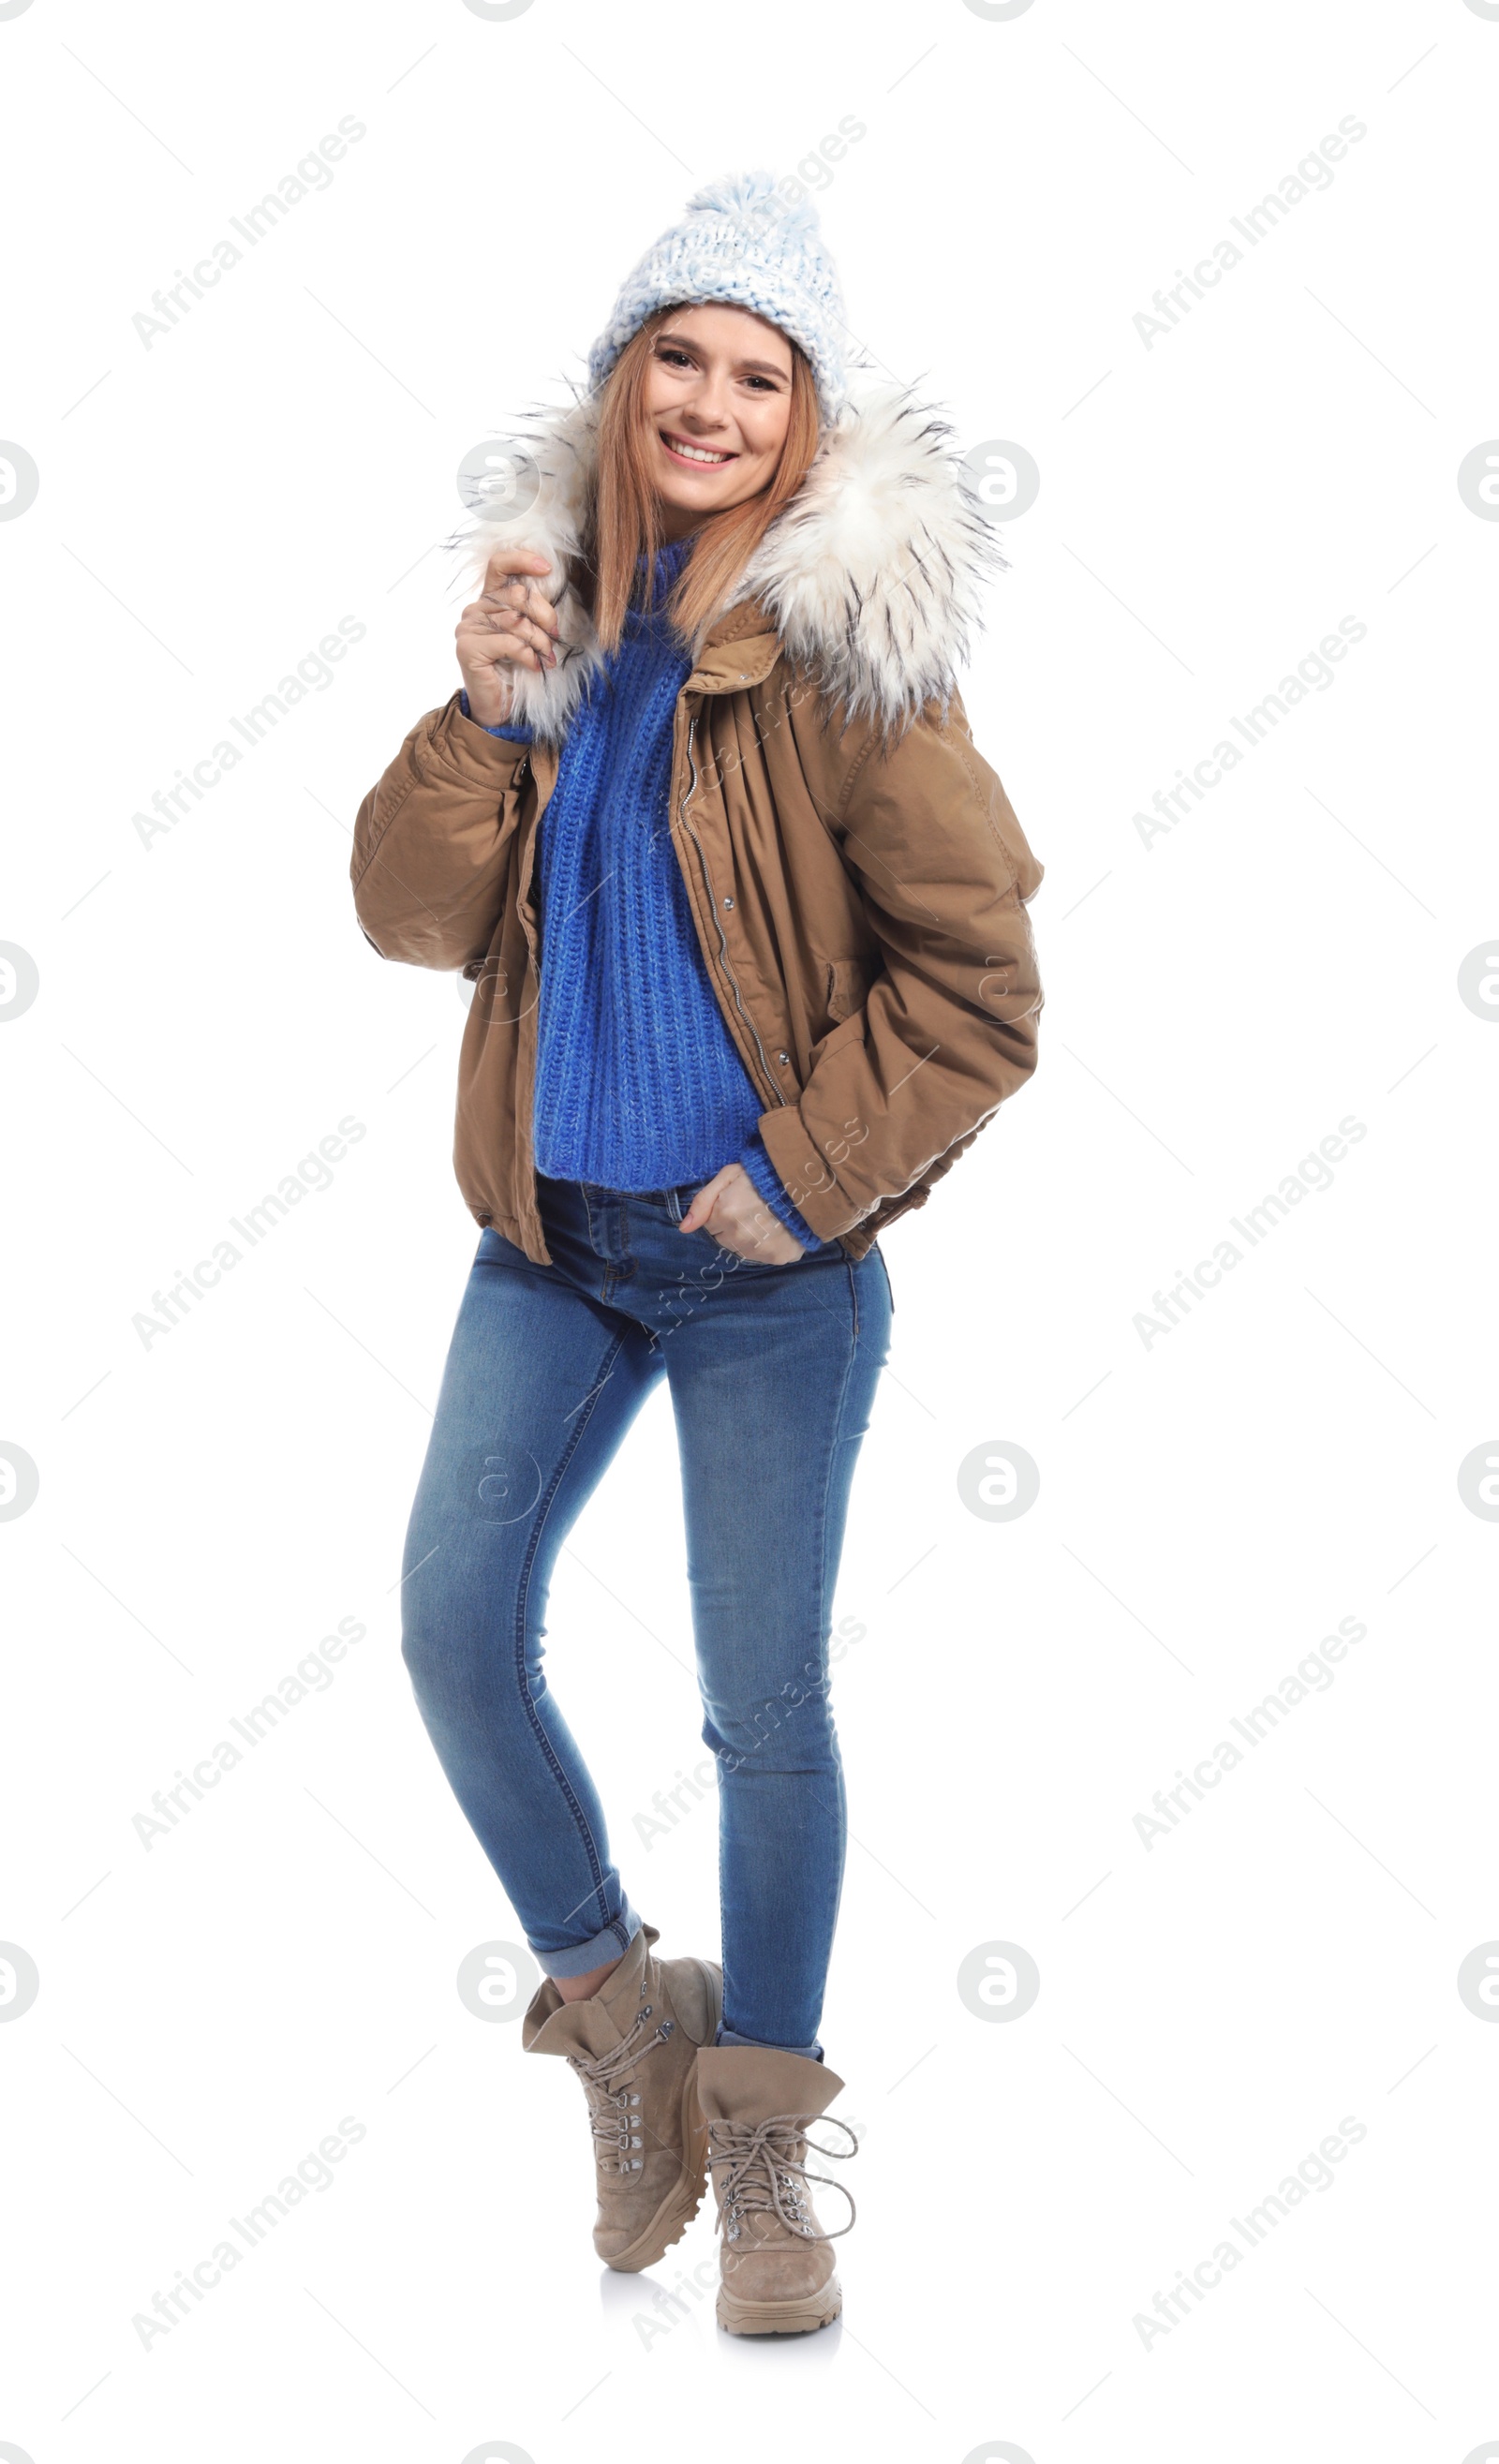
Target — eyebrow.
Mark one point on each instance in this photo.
(761, 367)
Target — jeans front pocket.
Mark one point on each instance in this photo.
(732, 1263)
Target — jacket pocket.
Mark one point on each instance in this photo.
(849, 1030)
(848, 982)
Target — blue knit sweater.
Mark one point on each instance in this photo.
(639, 1085)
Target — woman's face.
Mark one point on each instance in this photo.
(718, 400)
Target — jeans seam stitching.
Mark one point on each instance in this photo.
(824, 1599)
(824, 1606)
(523, 1603)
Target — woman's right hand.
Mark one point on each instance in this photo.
(509, 625)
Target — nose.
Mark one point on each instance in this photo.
(709, 406)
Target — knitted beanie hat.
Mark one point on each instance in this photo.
(742, 242)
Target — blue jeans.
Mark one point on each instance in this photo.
(772, 1372)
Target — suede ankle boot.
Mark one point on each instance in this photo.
(776, 2272)
(634, 2045)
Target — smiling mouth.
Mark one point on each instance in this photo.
(697, 457)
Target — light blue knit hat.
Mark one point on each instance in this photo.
(740, 241)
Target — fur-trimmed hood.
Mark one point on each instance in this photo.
(871, 577)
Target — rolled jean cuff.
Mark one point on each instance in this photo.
(612, 1943)
(812, 2053)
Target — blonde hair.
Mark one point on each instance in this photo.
(623, 524)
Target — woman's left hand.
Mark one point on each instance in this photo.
(732, 1210)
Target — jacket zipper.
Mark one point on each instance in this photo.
(713, 905)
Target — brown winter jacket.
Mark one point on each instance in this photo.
(855, 872)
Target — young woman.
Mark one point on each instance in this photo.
(743, 908)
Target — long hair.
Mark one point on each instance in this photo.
(622, 523)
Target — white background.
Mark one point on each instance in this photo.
(1211, 1504)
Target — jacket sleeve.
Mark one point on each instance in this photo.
(433, 841)
(947, 1027)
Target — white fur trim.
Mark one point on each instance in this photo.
(871, 576)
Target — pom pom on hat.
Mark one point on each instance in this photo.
(746, 193)
(744, 243)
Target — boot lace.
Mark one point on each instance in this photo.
(763, 2175)
(610, 2097)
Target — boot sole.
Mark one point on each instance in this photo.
(780, 2318)
(681, 2205)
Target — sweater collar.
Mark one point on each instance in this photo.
(668, 565)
